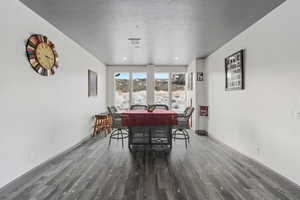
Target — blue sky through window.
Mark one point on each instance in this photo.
(161, 76)
(141, 76)
(122, 76)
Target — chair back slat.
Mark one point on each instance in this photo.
(161, 107)
(189, 111)
(112, 110)
(138, 107)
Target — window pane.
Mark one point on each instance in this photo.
(161, 92)
(139, 88)
(178, 94)
(122, 90)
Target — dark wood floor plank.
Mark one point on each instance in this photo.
(206, 169)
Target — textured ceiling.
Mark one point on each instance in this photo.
(170, 31)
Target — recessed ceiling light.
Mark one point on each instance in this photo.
(176, 58)
(124, 58)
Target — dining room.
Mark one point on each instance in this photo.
(149, 100)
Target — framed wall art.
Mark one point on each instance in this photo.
(92, 83)
(200, 76)
(234, 71)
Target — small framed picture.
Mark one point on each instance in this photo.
(200, 76)
(92, 83)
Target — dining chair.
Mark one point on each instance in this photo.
(161, 107)
(102, 124)
(182, 127)
(113, 109)
(118, 130)
(138, 107)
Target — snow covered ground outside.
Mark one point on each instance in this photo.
(161, 97)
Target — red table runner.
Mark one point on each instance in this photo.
(145, 118)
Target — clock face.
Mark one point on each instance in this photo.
(45, 55)
(42, 55)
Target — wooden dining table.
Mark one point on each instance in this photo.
(151, 129)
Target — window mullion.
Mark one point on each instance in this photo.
(169, 89)
(130, 88)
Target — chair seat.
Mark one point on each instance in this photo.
(117, 123)
(182, 123)
(117, 126)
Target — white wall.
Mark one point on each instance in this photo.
(199, 94)
(202, 94)
(191, 94)
(260, 120)
(41, 116)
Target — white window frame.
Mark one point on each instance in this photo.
(131, 86)
(170, 86)
(150, 70)
(114, 86)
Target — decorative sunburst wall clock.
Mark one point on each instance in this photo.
(41, 54)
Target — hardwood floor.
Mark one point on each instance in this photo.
(205, 170)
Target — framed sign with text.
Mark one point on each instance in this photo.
(234, 71)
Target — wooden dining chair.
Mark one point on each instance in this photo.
(102, 124)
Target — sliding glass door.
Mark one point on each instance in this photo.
(139, 88)
(170, 90)
(161, 88)
(167, 88)
(130, 88)
(178, 92)
(122, 91)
